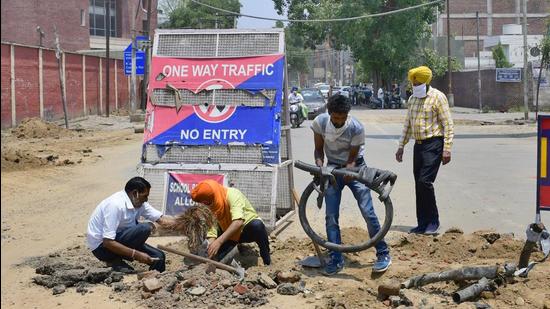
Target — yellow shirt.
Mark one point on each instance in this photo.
(239, 207)
(429, 117)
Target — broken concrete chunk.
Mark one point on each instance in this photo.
(151, 285)
(58, 289)
(288, 276)
(147, 274)
(266, 281)
(288, 289)
(198, 291)
(96, 275)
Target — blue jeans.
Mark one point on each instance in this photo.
(133, 237)
(361, 193)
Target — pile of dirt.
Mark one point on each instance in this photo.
(38, 128)
(198, 286)
(35, 143)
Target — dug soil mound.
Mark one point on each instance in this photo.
(285, 284)
(38, 128)
(35, 143)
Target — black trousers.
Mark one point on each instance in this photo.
(133, 237)
(254, 231)
(427, 159)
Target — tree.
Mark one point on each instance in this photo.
(187, 14)
(500, 58)
(296, 54)
(437, 63)
(386, 46)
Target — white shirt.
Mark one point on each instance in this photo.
(115, 214)
(380, 93)
(295, 98)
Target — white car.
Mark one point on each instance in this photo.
(324, 90)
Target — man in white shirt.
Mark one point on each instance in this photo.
(114, 233)
(380, 95)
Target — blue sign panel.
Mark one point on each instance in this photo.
(140, 58)
(509, 75)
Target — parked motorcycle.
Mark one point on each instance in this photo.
(393, 100)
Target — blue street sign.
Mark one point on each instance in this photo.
(140, 58)
(508, 75)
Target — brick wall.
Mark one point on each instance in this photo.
(27, 85)
(20, 19)
(496, 96)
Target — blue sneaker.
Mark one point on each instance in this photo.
(335, 265)
(382, 263)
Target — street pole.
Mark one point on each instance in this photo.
(478, 66)
(107, 41)
(450, 96)
(525, 63)
(147, 59)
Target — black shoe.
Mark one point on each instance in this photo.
(417, 230)
(123, 267)
(432, 229)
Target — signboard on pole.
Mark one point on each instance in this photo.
(543, 175)
(178, 190)
(508, 75)
(140, 58)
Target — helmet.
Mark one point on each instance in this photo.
(294, 89)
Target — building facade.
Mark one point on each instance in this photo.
(80, 24)
(493, 15)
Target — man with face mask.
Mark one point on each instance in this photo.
(114, 233)
(341, 138)
(429, 122)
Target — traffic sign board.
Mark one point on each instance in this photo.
(140, 58)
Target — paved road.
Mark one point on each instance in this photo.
(490, 182)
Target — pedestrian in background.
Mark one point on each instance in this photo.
(429, 122)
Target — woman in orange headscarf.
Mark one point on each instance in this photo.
(238, 222)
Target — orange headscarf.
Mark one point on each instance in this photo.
(213, 194)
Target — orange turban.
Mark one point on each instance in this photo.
(214, 195)
(421, 74)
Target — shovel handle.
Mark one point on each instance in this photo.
(200, 259)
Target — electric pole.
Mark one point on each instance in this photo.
(147, 58)
(478, 66)
(107, 39)
(525, 63)
(450, 96)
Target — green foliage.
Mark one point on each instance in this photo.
(187, 14)
(386, 46)
(500, 58)
(545, 47)
(437, 63)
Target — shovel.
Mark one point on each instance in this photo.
(236, 268)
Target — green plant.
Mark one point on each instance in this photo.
(500, 57)
(438, 63)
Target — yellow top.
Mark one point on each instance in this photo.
(240, 208)
(429, 117)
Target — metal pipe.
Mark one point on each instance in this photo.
(107, 56)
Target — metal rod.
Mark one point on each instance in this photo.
(199, 259)
(478, 66)
(525, 63)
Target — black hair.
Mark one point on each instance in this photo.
(338, 104)
(137, 183)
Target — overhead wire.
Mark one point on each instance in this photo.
(319, 20)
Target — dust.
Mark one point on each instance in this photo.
(187, 285)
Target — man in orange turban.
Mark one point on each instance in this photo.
(238, 222)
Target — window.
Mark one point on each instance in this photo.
(83, 18)
(98, 21)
